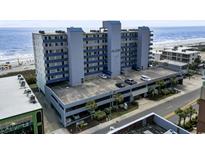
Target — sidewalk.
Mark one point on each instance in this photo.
(145, 104)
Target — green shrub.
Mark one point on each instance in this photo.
(108, 110)
(100, 115)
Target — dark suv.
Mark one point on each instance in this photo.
(130, 81)
(120, 85)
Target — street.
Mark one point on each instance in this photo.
(162, 109)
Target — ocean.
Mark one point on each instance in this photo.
(17, 42)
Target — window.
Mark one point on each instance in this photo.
(39, 117)
(61, 43)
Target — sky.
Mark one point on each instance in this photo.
(98, 23)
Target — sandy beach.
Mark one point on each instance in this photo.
(188, 42)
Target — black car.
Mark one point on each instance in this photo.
(130, 81)
(120, 85)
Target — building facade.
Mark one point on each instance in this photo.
(75, 55)
(20, 111)
(149, 124)
(180, 54)
(70, 102)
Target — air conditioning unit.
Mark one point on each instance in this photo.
(27, 91)
(23, 83)
(32, 99)
(19, 76)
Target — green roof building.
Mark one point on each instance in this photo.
(20, 111)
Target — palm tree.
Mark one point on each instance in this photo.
(191, 111)
(173, 82)
(118, 98)
(186, 114)
(179, 113)
(161, 85)
(91, 107)
(183, 116)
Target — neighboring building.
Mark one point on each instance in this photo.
(180, 54)
(69, 101)
(174, 65)
(20, 111)
(155, 56)
(150, 124)
(201, 114)
(75, 55)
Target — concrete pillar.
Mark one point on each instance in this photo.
(114, 46)
(143, 47)
(75, 56)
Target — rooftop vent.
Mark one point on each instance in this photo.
(32, 99)
(27, 91)
(19, 75)
(41, 32)
(23, 83)
(59, 31)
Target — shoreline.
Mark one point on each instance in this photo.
(187, 42)
(26, 62)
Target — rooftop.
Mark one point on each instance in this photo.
(150, 124)
(13, 100)
(97, 85)
(172, 62)
(184, 50)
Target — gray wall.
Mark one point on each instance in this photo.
(39, 61)
(143, 47)
(114, 46)
(75, 56)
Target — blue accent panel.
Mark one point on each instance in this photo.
(54, 40)
(56, 73)
(57, 80)
(93, 50)
(56, 54)
(94, 61)
(130, 46)
(128, 37)
(91, 73)
(97, 55)
(55, 67)
(56, 60)
(94, 38)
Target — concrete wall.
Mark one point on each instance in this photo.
(143, 47)
(39, 61)
(114, 46)
(75, 56)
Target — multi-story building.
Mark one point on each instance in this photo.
(181, 54)
(149, 124)
(68, 65)
(74, 55)
(20, 111)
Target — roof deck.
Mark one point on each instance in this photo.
(13, 100)
(150, 124)
(97, 85)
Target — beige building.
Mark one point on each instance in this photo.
(180, 54)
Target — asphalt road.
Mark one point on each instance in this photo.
(162, 109)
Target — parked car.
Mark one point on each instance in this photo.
(130, 81)
(120, 85)
(103, 76)
(145, 78)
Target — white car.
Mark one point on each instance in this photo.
(145, 78)
(103, 76)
